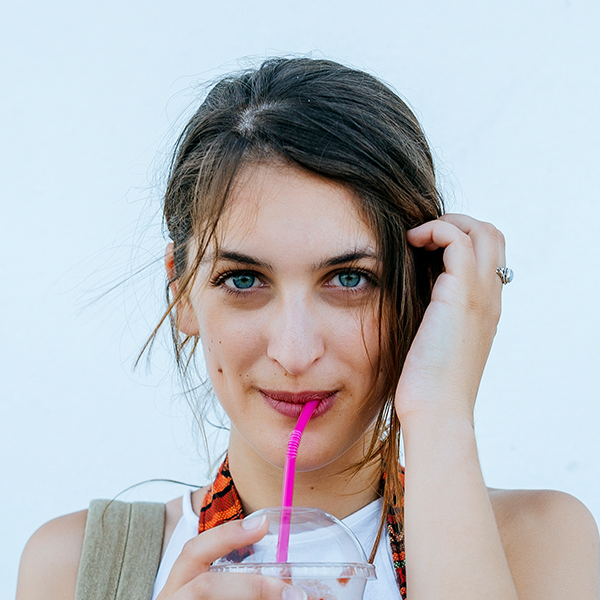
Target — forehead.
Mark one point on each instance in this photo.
(276, 207)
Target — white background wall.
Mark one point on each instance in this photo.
(92, 93)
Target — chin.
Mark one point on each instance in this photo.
(311, 456)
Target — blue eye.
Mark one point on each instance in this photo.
(350, 279)
(243, 281)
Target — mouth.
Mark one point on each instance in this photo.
(291, 404)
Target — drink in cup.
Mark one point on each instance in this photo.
(324, 557)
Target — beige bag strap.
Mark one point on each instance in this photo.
(121, 550)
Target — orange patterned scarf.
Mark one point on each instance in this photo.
(222, 504)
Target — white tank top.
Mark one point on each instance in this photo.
(364, 523)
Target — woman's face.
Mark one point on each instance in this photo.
(289, 314)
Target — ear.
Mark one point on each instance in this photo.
(185, 316)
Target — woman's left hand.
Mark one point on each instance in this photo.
(445, 363)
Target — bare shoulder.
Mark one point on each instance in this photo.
(50, 561)
(551, 543)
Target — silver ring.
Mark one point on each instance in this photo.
(506, 275)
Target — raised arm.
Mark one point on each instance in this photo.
(460, 542)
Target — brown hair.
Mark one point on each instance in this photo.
(342, 124)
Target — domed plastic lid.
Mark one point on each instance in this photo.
(318, 543)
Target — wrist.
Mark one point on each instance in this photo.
(440, 451)
(435, 419)
(438, 434)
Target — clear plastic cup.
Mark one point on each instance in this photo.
(325, 559)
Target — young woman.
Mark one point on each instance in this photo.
(311, 259)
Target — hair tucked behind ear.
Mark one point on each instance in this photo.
(342, 124)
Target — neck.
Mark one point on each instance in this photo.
(329, 488)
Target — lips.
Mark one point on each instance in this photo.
(291, 404)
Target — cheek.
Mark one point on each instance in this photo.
(365, 356)
(230, 343)
(371, 337)
(357, 336)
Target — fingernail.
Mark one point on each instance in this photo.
(294, 593)
(254, 522)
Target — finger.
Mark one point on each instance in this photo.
(501, 249)
(200, 552)
(233, 586)
(459, 256)
(487, 243)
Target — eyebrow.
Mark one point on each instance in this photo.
(347, 257)
(238, 257)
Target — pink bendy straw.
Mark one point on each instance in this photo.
(283, 541)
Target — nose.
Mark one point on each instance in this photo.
(295, 336)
